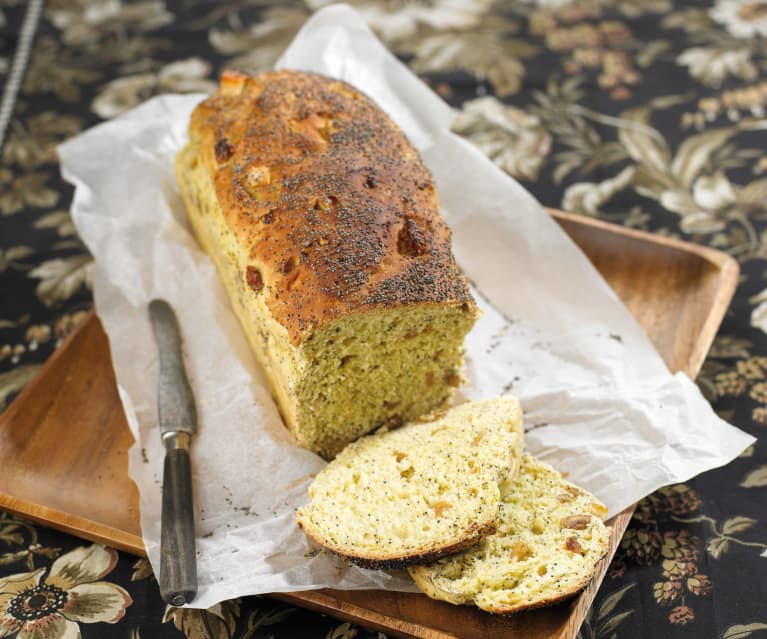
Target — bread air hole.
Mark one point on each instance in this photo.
(411, 241)
(290, 264)
(223, 150)
(394, 421)
(258, 184)
(575, 522)
(293, 280)
(573, 545)
(253, 278)
(520, 551)
(478, 438)
(452, 379)
(325, 203)
(256, 176)
(440, 507)
(599, 510)
(326, 129)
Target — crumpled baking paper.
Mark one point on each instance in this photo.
(605, 410)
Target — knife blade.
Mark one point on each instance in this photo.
(177, 416)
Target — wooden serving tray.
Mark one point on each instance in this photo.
(64, 440)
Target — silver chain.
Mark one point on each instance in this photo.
(19, 66)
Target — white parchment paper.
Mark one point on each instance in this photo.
(599, 401)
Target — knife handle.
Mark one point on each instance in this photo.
(178, 556)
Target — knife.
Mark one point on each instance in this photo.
(178, 422)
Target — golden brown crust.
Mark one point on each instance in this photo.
(422, 556)
(331, 202)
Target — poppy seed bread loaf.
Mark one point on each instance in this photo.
(549, 538)
(418, 492)
(324, 226)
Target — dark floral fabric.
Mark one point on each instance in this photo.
(648, 113)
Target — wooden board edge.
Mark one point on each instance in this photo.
(715, 256)
(322, 602)
(74, 525)
(729, 276)
(726, 265)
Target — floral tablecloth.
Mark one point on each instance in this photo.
(648, 113)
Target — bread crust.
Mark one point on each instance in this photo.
(324, 227)
(421, 556)
(329, 199)
(424, 582)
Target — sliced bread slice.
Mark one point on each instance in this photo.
(549, 538)
(419, 492)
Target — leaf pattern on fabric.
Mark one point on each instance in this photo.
(52, 604)
(604, 621)
(181, 76)
(61, 278)
(741, 631)
(757, 478)
(397, 19)
(142, 569)
(514, 140)
(255, 47)
(25, 190)
(217, 622)
(649, 113)
(33, 142)
(487, 50)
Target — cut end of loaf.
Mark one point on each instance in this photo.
(381, 368)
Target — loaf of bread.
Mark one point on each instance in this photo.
(549, 538)
(418, 492)
(324, 226)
